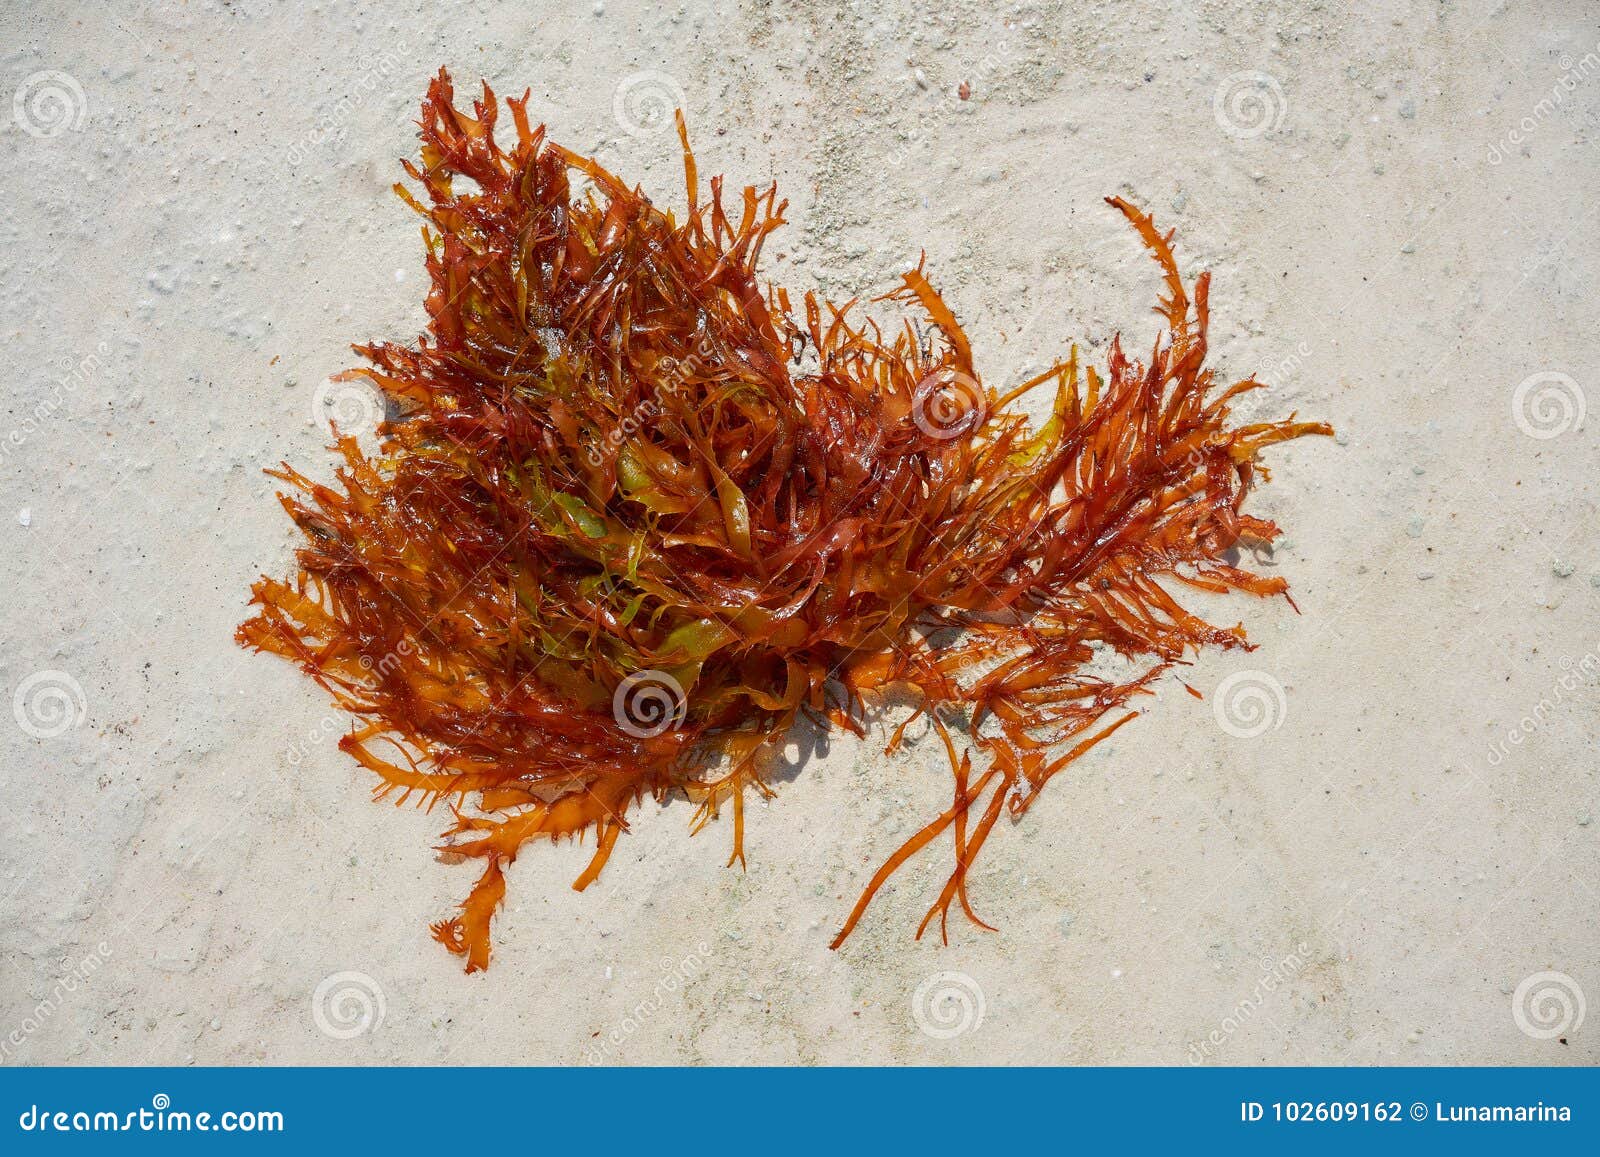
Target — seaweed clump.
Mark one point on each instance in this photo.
(638, 513)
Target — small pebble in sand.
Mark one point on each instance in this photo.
(1563, 569)
(1424, 575)
(216, 1023)
(1116, 974)
(1584, 820)
(25, 516)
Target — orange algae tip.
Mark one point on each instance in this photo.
(636, 512)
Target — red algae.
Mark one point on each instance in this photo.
(637, 514)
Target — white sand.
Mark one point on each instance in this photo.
(194, 255)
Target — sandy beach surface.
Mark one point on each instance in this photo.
(1373, 841)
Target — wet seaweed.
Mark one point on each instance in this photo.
(637, 514)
